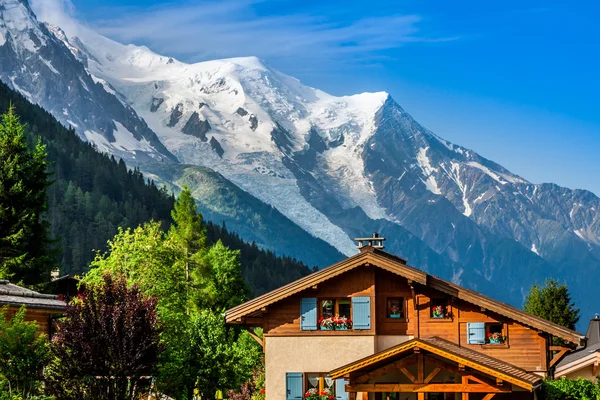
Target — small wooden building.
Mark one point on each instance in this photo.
(585, 361)
(372, 327)
(41, 308)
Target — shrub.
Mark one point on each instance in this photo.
(23, 355)
(580, 389)
(107, 344)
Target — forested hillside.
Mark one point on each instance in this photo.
(94, 194)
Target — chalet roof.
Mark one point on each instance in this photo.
(448, 350)
(13, 295)
(588, 352)
(397, 265)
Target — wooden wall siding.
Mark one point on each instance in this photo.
(525, 347)
(40, 316)
(283, 318)
(389, 285)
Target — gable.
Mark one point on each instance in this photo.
(380, 259)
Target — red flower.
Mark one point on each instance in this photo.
(262, 391)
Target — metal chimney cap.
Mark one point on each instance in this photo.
(374, 241)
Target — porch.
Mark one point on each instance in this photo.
(435, 369)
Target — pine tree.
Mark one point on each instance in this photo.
(26, 253)
(552, 301)
(188, 231)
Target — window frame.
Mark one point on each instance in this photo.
(448, 317)
(321, 376)
(388, 301)
(504, 327)
(336, 309)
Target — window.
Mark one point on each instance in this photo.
(495, 334)
(438, 309)
(319, 383)
(486, 333)
(335, 314)
(395, 308)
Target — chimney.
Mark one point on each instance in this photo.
(593, 332)
(375, 241)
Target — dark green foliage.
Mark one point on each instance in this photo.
(576, 389)
(552, 301)
(107, 344)
(93, 194)
(22, 355)
(26, 254)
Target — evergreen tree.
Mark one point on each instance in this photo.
(26, 254)
(552, 301)
(188, 231)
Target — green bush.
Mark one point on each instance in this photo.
(22, 356)
(580, 389)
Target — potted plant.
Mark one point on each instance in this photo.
(314, 394)
(326, 324)
(438, 312)
(342, 323)
(496, 338)
(395, 311)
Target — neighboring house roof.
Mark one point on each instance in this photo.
(448, 350)
(389, 262)
(13, 295)
(584, 356)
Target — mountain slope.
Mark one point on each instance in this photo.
(93, 195)
(37, 64)
(338, 166)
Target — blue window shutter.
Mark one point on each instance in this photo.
(293, 385)
(361, 312)
(476, 333)
(340, 389)
(308, 314)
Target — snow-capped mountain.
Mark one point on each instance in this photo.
(34, 61)
(338, 167)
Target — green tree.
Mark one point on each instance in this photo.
(26, 253)
(552, 301)
(147, 259)
(220, 284)
(22, 354)
(227, 359)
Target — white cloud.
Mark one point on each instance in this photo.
(194, 31)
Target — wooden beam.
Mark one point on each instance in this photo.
(421, 396)
(489, 396)
(432, 375)
(562, 352)
(255, 336)
(424, 388)
(595, 369)
(465, 380)
(499, 382)
(420, 368)
(410, 376)
(388, 369)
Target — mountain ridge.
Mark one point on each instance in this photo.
(337, 166)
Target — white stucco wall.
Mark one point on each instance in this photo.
(310, 354)
(384, 342)
(585, 373)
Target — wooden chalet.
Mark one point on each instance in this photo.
(372, 327)
(41, 308)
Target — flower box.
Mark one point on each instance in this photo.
(496, 338)
(335, 323)
(438, 312)
(396, 316)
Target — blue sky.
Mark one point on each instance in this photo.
(516, 81)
